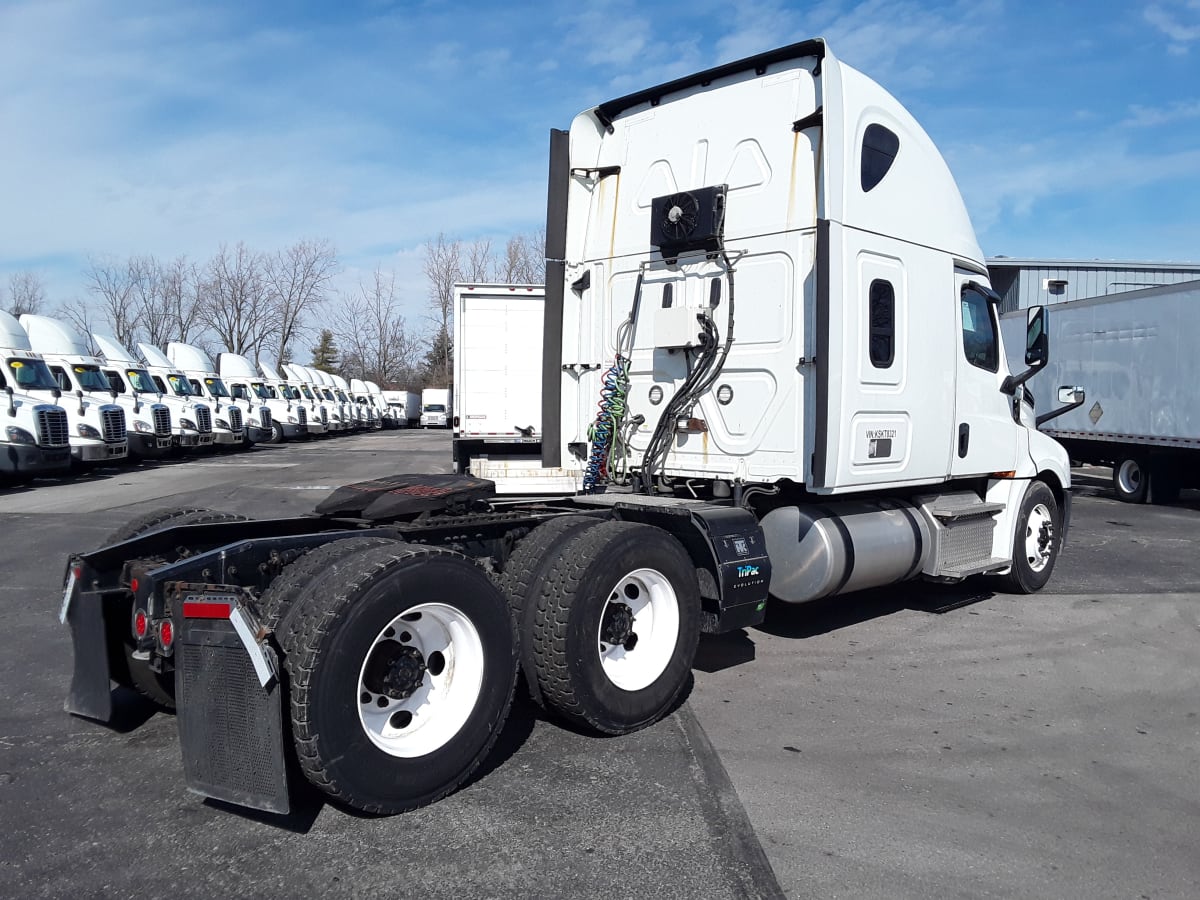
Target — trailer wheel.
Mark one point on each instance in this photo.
(616, 626)
(1036, 542)
(1130, 480)
(401, 668)
(277, 599)
(523, 577)
(127, 670)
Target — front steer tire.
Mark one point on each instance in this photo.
(596, 668)
(1037, 540)
(464, 642)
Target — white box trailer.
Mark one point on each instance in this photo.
(405, 406)
(497, 376)
(857, 426)
(1134, 355)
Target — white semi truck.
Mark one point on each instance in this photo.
(172, 382)
(854, 425)
(435, 407)
(78, 372)
(1133, 355)
(128, 377)
(314, 424)
(230, 422)
(96, 425)
(318, 409)
(287, 419)
(35, 437)
(497, 378)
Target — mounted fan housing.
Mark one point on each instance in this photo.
(688, 220)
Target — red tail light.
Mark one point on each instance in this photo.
(166, 634)
(133, 585)
(140, 623)
(195, 610)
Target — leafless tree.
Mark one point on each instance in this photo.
(479, 265)
(297, 280)
(80, 315)
(109, 280)
(181, 285)
(236, 305)
(372, 334)
(443, 267)
(524, 259)
(26, 293)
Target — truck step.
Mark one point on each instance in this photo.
(962, 570)
(961, 506)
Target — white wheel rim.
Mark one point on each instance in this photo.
(647, 596)
(1129, 476)
(424, 720)
(1039, 537)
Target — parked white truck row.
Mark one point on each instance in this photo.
(67, 406)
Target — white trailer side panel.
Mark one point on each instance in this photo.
(498, 361)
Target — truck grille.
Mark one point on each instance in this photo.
(204, 419)
(324, 416)
(301, 415)
(264, 415)
(235, 418)
(52, 429)
(113, 420)
(162, 420)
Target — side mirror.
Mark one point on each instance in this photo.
(1071, 396)
(79, 394)
(12, 406)
(1037, 340)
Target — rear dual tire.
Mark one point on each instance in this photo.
(613, 627)
(400, 665)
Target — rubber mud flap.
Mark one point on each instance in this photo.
(90, 694)
(230, 726)
(400, 495)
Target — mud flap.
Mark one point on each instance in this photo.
(230, 721)
(91, 689)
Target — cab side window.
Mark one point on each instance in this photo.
(60, 375)
(114, 381)
(980, 345)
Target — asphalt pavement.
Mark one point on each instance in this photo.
(924, 741)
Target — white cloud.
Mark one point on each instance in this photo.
(1179, 21)
(1149, 116)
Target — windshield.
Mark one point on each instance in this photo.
(435, 407)
(290, 392)
(90, 378)
(31, 374)
(341, 395)
(328, 394)
(306, 392)
(261, 390)
(140, 381)
(216, 387)
(179, 385)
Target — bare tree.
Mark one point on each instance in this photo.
(374, 339)
(235, 304)
(479, 266)
(524, 259)
(80, 315)
(297, 280)
(443, 267)
(181, 288)
(26, 293)
(110, 281)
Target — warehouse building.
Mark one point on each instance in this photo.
(1022, 283)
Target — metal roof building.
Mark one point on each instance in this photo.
(1022, 283)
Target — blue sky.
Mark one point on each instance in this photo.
(144, 126)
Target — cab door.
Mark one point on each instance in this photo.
(984, 434)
